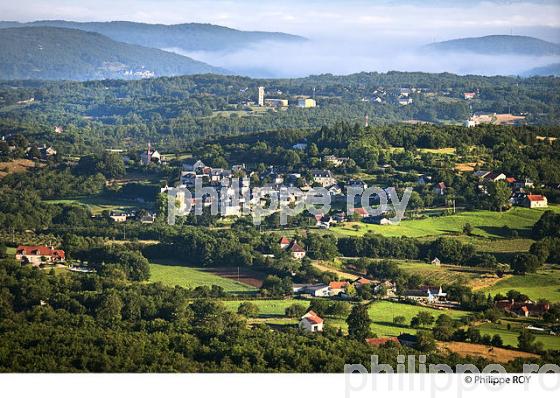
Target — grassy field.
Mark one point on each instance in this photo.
(446, 275)
(485, 224)
(497, 246)
(383, 312)
(509, 337)
(16, 166)
(11, 251)
(495, 355)
(267, 308)
(98, 204)
(189, 277)
(544, 284)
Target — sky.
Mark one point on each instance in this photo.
(433, 19)
(368, 34)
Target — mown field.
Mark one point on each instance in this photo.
(267, 308)
(381, 314)
(509, 337)
(97, 204)
(543, 284)
(190, 277)
(446, 275)
(488, 224)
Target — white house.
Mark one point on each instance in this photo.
(296, 250)
(317, 290)
(284, 243)
(536, 201)
(311, 322)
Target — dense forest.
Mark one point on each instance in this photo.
(170, 112)
(85, 323)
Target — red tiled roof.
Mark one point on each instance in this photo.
(294, 247)
(524, 309)
(338, 285)
(377, 341)
(511, 180)
(39, 251)
(535, 198)
(361, 211)
(313, 317)
(284, 241)
(362, 281)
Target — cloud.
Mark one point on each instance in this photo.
(347, 35)
(342, 57)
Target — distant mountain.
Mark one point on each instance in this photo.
(188, 36)
(498, 45)
(71, 54)
(547, 70)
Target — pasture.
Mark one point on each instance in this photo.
(510, 336)
(494, 354)
(267, 308)
(543, 284)
(98, 204)
(382, 314)
(190, 277)
(447, 275)
(487, 224)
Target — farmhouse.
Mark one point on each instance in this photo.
(318, 290)
(296, 250)
(150, 156)
(360, 212)
(47, 151)
(495, 176)
(429, 294)
(335, 161)
(335, 288)
(379, 220)
(118, 217)
(323, 178)
(535, 201)
(525, 308)
(284, 242)
(37, 255)
(311, 322)
(361, 282)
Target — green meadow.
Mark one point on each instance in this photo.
(190, 277)
(487, 224)
(544, 284)
(267, 308)
(510, 336)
